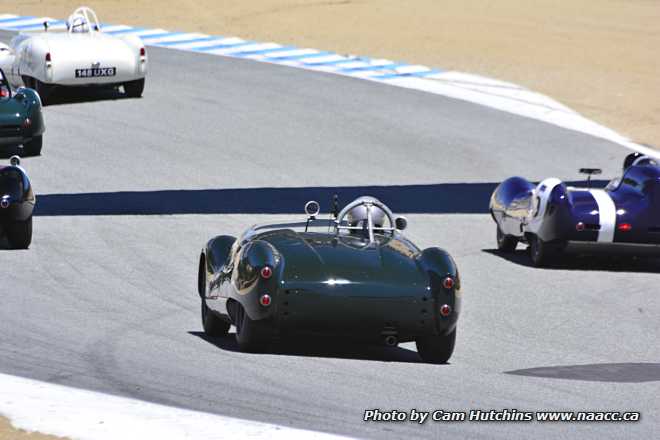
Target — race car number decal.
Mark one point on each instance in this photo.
(95, 72)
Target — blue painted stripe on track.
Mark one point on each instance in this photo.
(403, 75)
(372, 67)
(194, 40)
(223, 46)
(161, 35)
(126, 31)
(300, 57)
(262, 51)
(7, 20)
(37, 25)
(330, 63)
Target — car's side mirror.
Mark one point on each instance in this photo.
(401, 223)
(312, 209)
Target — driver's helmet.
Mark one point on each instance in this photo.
(78, 23)
(358, 215)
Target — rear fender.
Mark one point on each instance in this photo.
(217, 252)
(438, 264)
(212, 261)
(510, 203)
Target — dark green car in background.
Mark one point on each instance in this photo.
(21, 120)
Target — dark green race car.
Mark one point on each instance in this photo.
(21, 121)
(353, 276)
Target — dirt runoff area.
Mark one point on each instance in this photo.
(599, 57)
(8, 432)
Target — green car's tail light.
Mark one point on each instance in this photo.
(27, 123)
(265, 300)
(266, 272)
(448, 283)
(445, 310)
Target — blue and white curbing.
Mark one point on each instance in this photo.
(492, 93)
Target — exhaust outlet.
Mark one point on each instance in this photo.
(391, 341)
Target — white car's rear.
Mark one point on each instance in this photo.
(81, 56)
(83, 59)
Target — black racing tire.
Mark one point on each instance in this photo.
(19, 234)
(251, 336)
(29, 82)
(134, 89)
(506, 243)
(436, 349)
(541, 253)
(43, 90)
(33, 148)
(213, 325)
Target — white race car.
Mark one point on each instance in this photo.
(81, 56)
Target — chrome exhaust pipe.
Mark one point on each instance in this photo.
(391, 341)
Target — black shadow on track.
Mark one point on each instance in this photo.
(322, 347)
(441, 198)
(623, 372)
(77, 95)
(609, 263)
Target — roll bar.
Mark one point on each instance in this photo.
(90, 17)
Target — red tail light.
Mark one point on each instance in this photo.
(448, 283)
(625, 227)
(26, 123)
(48, 57)
(143, 51)
(579, 227)
(265, 300)
(266, 272)
(445, 310)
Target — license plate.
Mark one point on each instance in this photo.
(96, 72)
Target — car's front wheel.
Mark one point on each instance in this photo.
(251, 336)
(19, 234)
(436, 349)
(506, 243)
(33, 148)
(134, 89)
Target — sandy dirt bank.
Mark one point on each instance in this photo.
(597, 56)
(7, 432)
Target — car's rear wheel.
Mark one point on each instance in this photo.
(33, 148)
(436, 349)
(541, 253)
(134, 89)
(506, 243)
(19, 234)
(251, 336)
(213, 325)
(43, 90)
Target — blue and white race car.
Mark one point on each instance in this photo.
(552, 217)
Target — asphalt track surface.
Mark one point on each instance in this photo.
(105, 297)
